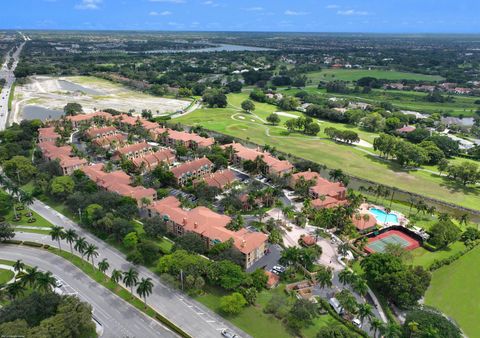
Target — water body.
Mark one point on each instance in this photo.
(32, 112)
(73, 87)
(215, 48)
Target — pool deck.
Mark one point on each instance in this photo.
(402, 220)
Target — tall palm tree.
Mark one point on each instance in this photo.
(346, 276)
(144, 289)
(365, 312)
(130, 278)
(57, 234)
(70, 236)
(18, 267)
(392, 330)
(116, 276)
(103, 265)
(46, 282)
(376, 325)
(463, 219)
(324, 278)
(15, 289)
(360, 286)
(91, 252)
(26, 198)
(30, 276)
(343, 249)
(80, 245)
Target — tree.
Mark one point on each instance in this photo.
(144, 289)
(248, 106)
(6, 232)
(91, 252)
(301, 314)
(428, 320)
(226, 274)
(365, 312)
(376, 325)
(215, 98)
(15, 289)
(288, 103)
(391, 330)
(334, 331)
(70, 237)
(273, 118)
(232, 304)
(57, 233)
(62, 186)
(6, 202)
(347, 301)
(130, 279)
(19, 169)
(80, 245)
(443, 233)
(30, 276)
(116, 276)
(130, 240)
(324, 277)
(72, 108)
(191, 242)
(18, 267)
(103, 265)
(45, 281)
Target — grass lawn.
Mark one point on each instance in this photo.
(6, 262)
(6, 276)
(455, 289)
(425, 258)
(355, 74)
(354, 161)
(40, 221)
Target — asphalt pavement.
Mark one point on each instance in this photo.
(193, 317)
(117, 317)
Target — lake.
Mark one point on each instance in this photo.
(32, 112)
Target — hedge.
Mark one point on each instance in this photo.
(437, 264)
(12, 241)
(34, 244)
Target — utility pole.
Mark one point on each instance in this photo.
(181, 278)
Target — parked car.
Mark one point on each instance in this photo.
(357, 322)
(278, 269)
(229, 334)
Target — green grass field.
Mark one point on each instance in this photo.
(352, 160)
(355, 74)
(5, 276)
(455, 289)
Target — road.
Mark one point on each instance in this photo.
(8, 75)
(188, 314)
(118, 318)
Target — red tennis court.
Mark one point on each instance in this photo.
(378, 243)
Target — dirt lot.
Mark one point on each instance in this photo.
(43, 93)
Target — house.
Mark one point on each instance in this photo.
(173, 138)
(406, 129)
(274, 166)
(210, 226)
(47, 134)
(192, 170)
(50, 152)
(131, 121)
(110, 141)
(94, 132)
(307, 240)
(119, 182)
(220, 179)
(327, 202)
(83, 119)
(133, 151)
(364, 222)
(151, 161)
(273, 279)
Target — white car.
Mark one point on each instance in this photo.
(229, 334)
(357, 322)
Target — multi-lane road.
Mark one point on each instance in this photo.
(7, 74)
(188, 314)
(117, 317)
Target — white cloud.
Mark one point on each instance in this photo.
(88, 4)
(253, 9)
(165, 13)
(171, 1)
(332, 6)
(153, 13)
(351, 12)
(294, 13)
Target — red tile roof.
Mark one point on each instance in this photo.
(328, 202)
(164, 155)
(107, 140)
(406, 129)
(273, 279)
(190, 167)
(47, 134)
(220, 179)
(190, 137)
(87, 117)
(132, 148)
(96, 132)
(322, 186)
(208, 223)
(364, 221)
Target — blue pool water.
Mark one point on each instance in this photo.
(382, 216)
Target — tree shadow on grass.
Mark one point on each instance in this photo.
(390, 164)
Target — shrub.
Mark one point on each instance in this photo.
(34, 244)
(232, 304)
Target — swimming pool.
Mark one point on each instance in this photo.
(383, 217)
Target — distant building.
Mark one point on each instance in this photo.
(68, 163)
(220, 179)
(406, 129)
(96, 132)
(150, 161)
(133, 151)
(83, 119)
(173, 138)
(47, 134)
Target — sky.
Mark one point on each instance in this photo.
(369, 16)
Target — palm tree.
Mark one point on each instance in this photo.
(81, 245)
(324, 277)
(144, 289)
(376, 325)
(57, 234)
(91, 252)
(413, 328)
(346, 276)
(360, 286)
(130, 278)
(463, 219)
(46, 281)
(392, 330)
(70, 236)
(15, 289)
(30, 276)
(343, 249)
(26, 198)
(116, 276)
(103, 265)
(443, 217)
(18, 267)
(365, 311)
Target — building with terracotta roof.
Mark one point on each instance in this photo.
(173, 138)
(111, 141)
(406, 129)
(192, 170)
(127, 120)
(210, 226)
(364, 222)
(220, 179)
(118, 182)
(50, 152)
(96, 132)
(82, 119)
(133, 151)
(47, 134)
(274, 166)
(273, 279)
(151, 161)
